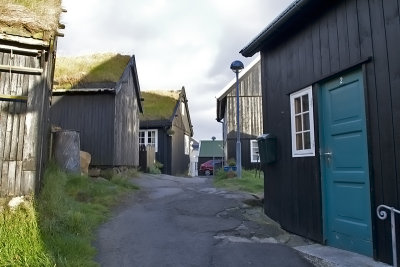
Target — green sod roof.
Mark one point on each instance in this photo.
(211, 149)
(74, 72)
(30, 18)
(158, 105)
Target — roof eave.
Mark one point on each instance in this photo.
(255, 45)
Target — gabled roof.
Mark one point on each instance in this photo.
(160, 108)
(159, 105)
(90, 71)
(37, 19)
(221, 96)
(209, 149)
(300, 11)
(94, 74)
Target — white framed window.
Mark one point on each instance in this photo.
(254, 155)
(301, 116)
(183, 109)
(187, 145)
(149, 138)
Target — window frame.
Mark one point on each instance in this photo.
(146, 138)
(187, 144)
(252, 160)
(299, 94)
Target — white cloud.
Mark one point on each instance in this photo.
(176, 42)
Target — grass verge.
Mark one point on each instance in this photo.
(250, 182)
(57, 228)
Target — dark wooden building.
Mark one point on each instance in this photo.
(27, 55)
(330, 75)
(166, 125)
(105, 113)
(250, 113)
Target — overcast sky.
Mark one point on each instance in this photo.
(176, 43)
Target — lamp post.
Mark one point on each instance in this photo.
(236, 67)
(213, 155)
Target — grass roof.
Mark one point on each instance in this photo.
(30, 18)
(73, 72)
(158, 105)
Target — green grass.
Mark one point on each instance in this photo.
(57, 229)
(250, 182)
(72, 72)
(157, 106)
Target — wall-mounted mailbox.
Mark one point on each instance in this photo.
(267, 148)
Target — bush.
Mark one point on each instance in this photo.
(231, 162)
(156, 168)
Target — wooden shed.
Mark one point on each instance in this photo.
(166, 125)
(330, 75)
(250, 114)
(28, 40)
(99, 96)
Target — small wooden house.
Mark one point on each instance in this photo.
(99, 96)
(211, 149)
(28, 40)
(330, 74)
(250, 114)
(166, 125)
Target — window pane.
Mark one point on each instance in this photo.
(298, 123)
(307, 140)
(305, 103)
(297, 105)
(306, 121)
(299, 141)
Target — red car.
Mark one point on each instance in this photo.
(207, 167)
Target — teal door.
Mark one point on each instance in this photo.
(344, 163)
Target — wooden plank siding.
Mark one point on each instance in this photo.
(251, 115)
(24, 127)
(126, 125)
(92, 115)
(332, 40)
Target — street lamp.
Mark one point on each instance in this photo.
(236, 67)
(213, 161)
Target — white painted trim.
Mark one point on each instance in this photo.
(251, 151)
(305, 152)
(146, 135)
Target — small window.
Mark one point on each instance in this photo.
(301, 110)
(148, 138)
(187, 145)
(254, 151)
(183, 108)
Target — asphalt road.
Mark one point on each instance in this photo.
(175, 221)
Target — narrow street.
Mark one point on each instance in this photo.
(175, 221)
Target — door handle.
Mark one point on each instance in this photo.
(328, 156)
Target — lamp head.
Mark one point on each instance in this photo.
(237, 66)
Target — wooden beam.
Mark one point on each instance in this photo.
(19, 50)
(24, 40)
(17, 98)
(18, 69)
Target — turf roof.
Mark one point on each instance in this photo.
(30, 18)
(158, 105)
(75, 72)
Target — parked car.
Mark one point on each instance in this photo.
(207, 168)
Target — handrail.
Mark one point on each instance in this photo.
(382, 214)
